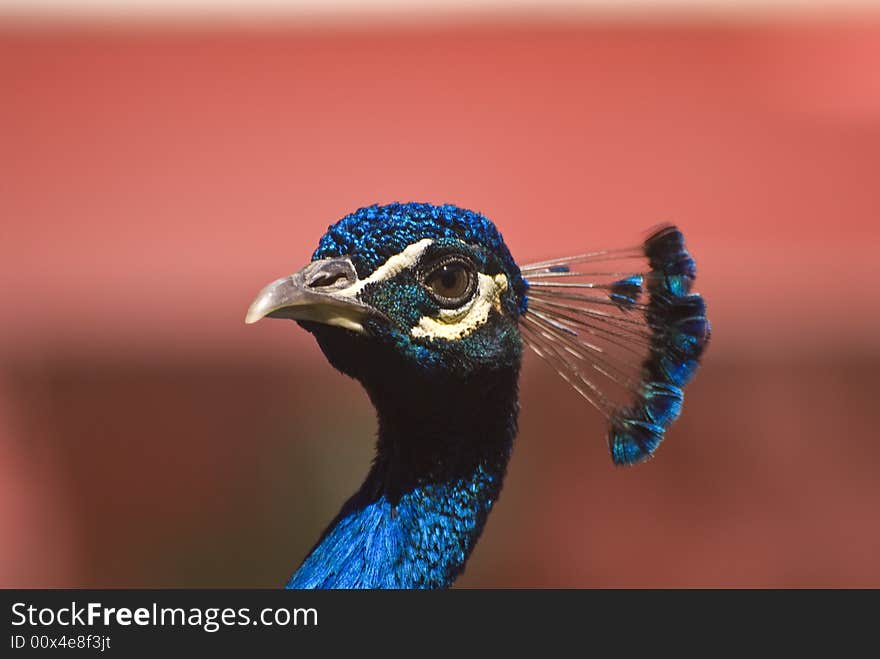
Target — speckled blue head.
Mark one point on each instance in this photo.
(412, 329)
(371, 235)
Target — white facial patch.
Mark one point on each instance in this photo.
(391, 268)
(454, 324)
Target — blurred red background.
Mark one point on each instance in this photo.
(152, 179)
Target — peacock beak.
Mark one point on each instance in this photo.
(324, 292)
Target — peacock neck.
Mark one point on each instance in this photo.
(442, 452)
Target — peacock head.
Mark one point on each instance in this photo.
(407, 292)
(426, 307)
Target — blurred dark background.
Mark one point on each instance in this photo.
(154, 177)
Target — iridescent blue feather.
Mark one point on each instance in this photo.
(628, 343)
(626, 291)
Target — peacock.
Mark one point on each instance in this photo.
(426, 307)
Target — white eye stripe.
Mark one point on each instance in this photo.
(391, 268)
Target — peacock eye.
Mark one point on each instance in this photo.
(451, 282)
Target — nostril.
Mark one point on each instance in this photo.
(324, 279)
(329, 274)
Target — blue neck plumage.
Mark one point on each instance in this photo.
(441, 457)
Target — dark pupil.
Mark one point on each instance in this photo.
(449, 276)
(449, 281)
